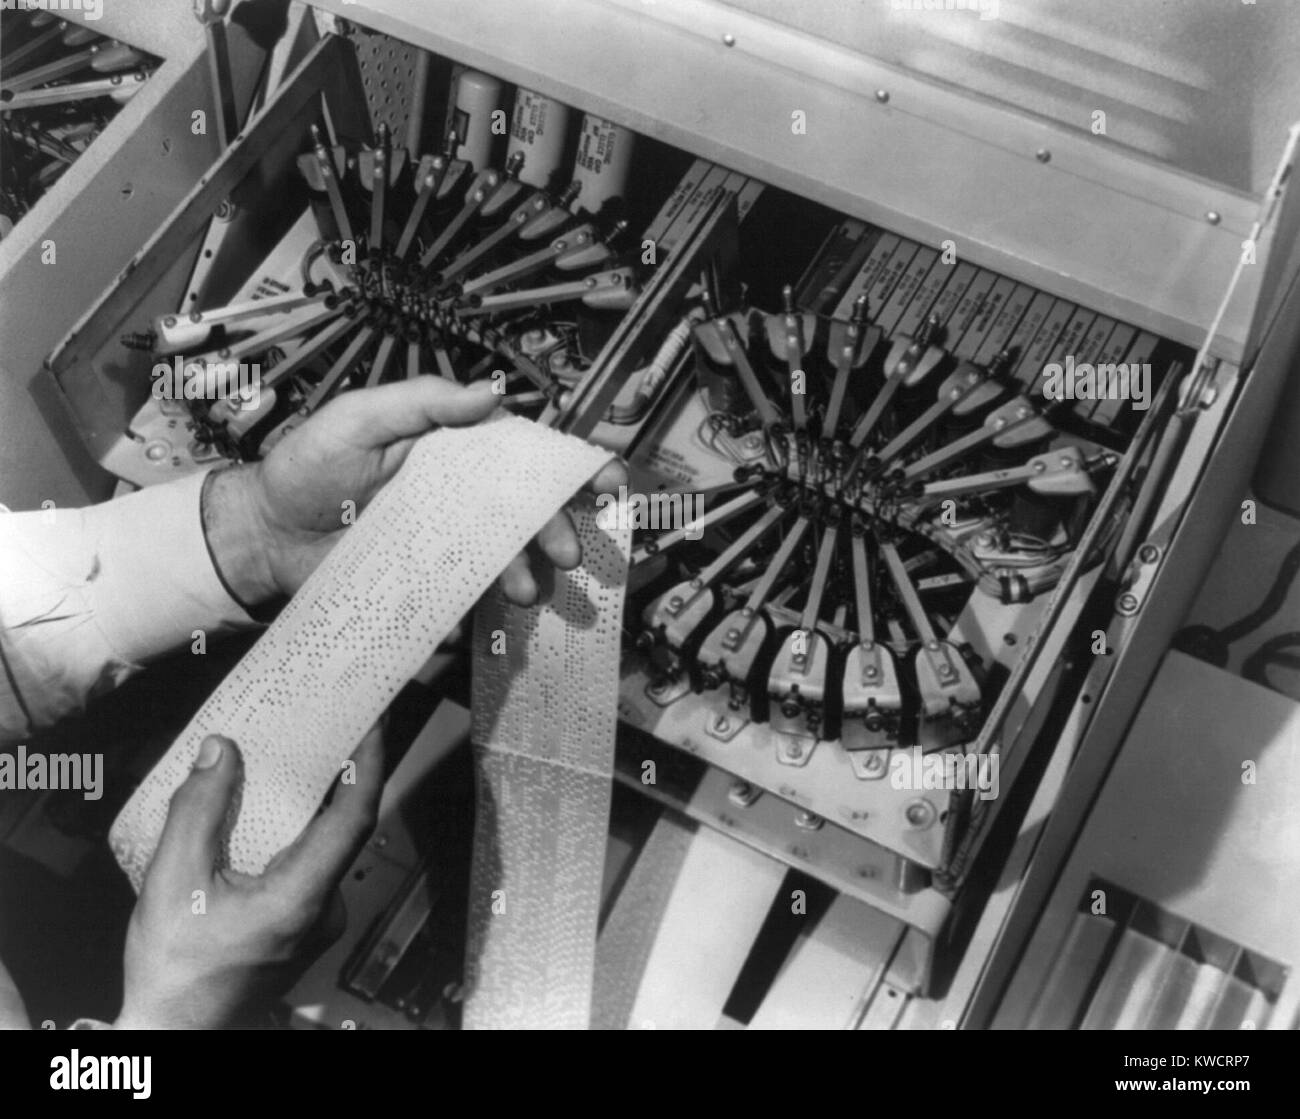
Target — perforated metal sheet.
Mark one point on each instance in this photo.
(388, 74)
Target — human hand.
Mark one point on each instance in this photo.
(271, 523)
(196, 970)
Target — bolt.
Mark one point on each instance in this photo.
(1148, 553)
(1128, 602)
(919, 814)
(742, 794)
(809, 821)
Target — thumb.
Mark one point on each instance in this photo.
(405, 409)
(190, 845)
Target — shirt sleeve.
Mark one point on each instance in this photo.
(88, 596)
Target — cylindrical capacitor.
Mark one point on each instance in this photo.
(478, 96)
(537, 133)
(603, 162)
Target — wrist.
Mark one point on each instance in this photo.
(236, 534)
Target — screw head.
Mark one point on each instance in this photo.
(919, 814)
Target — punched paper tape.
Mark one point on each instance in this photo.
(544, 717)
(427, 548)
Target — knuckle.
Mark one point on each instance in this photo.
(285, 920)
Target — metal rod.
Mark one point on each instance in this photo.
(382, 357)
(716, 516)
(75, 91)
(325, 161)
(430, 180)
(777, 564)
(767, 412)
(478, 194)
(862, 587)
(825, 553)
(49, 72)
(907, 592)
(513, 226)
(310, 349)
(346, 360)
(738, 547)
(379, 188)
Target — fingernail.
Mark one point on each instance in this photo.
(209, 753)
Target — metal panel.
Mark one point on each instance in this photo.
(101, 414)
(718, 904)
(1207, 490)
(1119, 233)
(825, 981)
(1230, 850)
(97, 216)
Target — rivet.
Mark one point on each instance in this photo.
(1213, 217)
(882, 95)
(729, 40)
(1043, 155)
